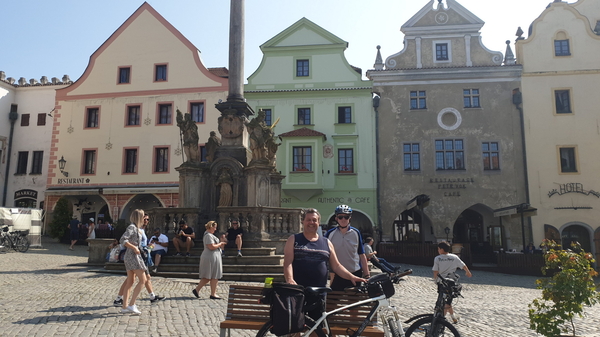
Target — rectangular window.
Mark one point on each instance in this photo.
(412, 157)
(302, 68)
(41, 120)
(130, 161)
(568, 160)
(303, 116)
(561, 48)
(22, 163)
(491, 156)
(164, 114)
(89, 162)
(25, 120)
(418, 100)
(268, 116)
(161, 157)
(449, 154)
(471, 98)
(36, 165)
(133, 115)
(92, 118)
(197, 112)
(345, 161)
(441, 51)
(562, 101)
(344, 114)
(202, 149)
(124, 75)
(160, 73)
(302, 158)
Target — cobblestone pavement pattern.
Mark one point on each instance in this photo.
(50, 291)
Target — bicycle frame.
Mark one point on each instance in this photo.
(382, 304)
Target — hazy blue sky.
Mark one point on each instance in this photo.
(56, 37)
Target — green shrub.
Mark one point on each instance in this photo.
(61, 218)
(566, 292)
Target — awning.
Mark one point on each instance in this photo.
(516, 210)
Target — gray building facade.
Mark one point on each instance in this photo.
(451, 159)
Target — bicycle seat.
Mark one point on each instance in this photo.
(317, 290)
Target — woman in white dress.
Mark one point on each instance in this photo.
(211, 265)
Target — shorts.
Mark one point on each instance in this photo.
(231, 244)
(75, 235)
(160, 252)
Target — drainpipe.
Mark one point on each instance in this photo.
(517, 98)
(376, 99)
(13, 115)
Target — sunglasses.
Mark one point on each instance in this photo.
(340, 217)
(235, 223)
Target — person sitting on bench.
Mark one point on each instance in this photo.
(377, 262)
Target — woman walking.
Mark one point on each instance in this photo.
(211, 265)
(134, 264)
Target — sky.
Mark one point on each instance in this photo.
(57, 37)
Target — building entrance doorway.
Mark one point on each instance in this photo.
(577, 233)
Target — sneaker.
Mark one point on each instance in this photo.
(187, 255)
(239, 254)
(156, 299)
(134, 310)
(125, 311)
(178, 254)
(118, 303)
(455, 318)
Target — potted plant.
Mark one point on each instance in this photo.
(565, 294)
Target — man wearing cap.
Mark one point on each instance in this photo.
(347, 242)
(185, 238)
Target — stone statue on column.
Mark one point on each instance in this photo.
(212, 145)
(189, 133)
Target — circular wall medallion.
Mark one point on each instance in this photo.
(449, 119)
(441, 18)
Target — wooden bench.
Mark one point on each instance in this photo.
(245, 312)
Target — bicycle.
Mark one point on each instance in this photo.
(436, 325)
(380, 288)
(16, 240)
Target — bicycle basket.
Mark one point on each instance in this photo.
(5, 229)
(379, 285)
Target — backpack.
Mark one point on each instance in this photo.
(287, 308)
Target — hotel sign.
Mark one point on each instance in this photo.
(572, 188)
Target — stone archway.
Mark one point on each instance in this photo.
(140, 201)
(576, 232)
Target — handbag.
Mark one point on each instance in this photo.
(144, 253)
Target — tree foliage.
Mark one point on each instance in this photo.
(566, 292)
(61, 218)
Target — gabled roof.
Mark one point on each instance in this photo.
(442, 20)
(220, 71)
(303, 132)
(311, 34)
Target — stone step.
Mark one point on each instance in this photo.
(198, 248)
(246, 260)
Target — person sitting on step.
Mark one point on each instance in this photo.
(185, 238)
(234, 236)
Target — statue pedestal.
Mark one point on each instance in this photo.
(264, 186)
(190, 185)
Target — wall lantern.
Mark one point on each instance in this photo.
(61, 165)
(447, 231)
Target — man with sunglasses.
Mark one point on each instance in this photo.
(347, 242)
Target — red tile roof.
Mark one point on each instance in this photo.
(220, 71)
(303, 132)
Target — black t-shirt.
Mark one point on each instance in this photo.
(74, 224)
(232, 233)
(187, 231)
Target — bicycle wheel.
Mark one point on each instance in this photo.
(423, 327)
(21, 244)
(265, 331)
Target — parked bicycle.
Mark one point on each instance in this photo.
(380, 288)
(436, 325)
(16, 240)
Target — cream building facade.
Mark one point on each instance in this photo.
(561, 72)
(23, 176)
(115, 142)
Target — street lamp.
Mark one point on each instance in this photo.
(447, 231)
(61, 165)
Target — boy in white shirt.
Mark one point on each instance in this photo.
(445, 265)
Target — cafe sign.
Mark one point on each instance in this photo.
(572, 188)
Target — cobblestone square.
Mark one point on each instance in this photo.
(51, 291)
